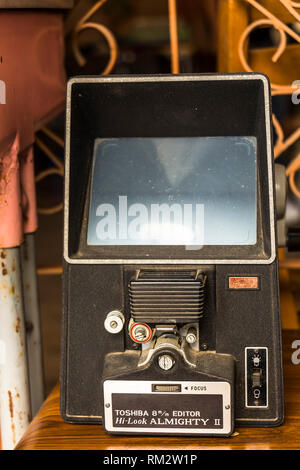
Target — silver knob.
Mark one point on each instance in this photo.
(114, 322)
(166, 362)
(140, 332)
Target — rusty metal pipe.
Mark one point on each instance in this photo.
(14, 385)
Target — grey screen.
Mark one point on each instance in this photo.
(190, 191)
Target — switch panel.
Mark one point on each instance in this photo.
(256, 377)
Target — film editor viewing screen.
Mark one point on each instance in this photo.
(191, 191)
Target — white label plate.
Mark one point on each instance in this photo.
(171, 407)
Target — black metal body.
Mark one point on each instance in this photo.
(95, 279)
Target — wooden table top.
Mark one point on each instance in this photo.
(49, 431)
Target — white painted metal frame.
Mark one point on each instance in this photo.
(14, 383)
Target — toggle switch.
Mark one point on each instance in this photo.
(257, 378)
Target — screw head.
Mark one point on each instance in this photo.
(191, 336)
(166, 362)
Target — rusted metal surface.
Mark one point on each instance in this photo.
(32, 98)
(32, 323)
(37, 93)
(11, 230)
(14, 385)
(28, 100)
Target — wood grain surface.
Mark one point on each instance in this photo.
(49, 431)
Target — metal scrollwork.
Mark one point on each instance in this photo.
(270, 20)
